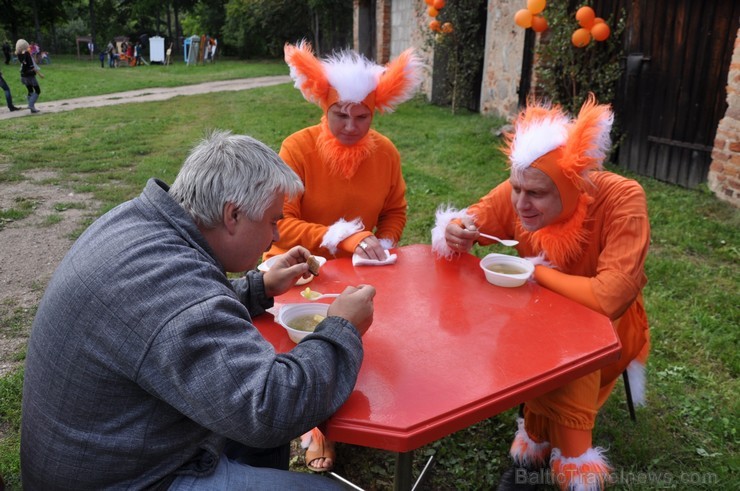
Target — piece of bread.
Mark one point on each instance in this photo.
(313, 265)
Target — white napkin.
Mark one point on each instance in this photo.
(361, 261)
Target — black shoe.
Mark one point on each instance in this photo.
(14, 108)
(34, 110)
(519, 479)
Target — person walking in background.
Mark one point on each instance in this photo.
(112, 54)
(8, 95)
(354, 203)
(587, 231)
(29, 70)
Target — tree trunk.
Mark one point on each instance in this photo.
(178, 29)
(36, 24)
(91, 10)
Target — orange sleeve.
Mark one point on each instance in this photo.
(577, 288)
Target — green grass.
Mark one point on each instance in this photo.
(68, 78)
(687, 436)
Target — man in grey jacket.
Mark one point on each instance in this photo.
(144, 370)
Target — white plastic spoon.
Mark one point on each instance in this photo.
(314, 295)
(507, 243)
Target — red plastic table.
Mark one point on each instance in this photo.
(447, 349)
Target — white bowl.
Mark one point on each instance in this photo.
(266, 265)
(513, 271)
(291, 311)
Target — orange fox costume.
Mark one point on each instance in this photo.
(351, 192)
(376, 194)
(597, 246)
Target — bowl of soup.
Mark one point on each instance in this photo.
(300, 319)
(507, 271)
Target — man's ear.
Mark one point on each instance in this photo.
(230, 217)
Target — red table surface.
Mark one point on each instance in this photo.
(447, 349)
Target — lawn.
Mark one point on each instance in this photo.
(686, 438)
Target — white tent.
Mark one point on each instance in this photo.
(156, 49)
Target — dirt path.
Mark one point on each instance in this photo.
(148, 95)
(31, 247)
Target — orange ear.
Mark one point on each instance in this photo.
(398, 82)
(588, 137)
(307, 71)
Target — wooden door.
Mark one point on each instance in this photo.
(673, 90)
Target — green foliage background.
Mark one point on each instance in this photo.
(567, 74)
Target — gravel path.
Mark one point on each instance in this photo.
(147, 95)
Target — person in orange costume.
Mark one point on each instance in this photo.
(354, 202)
(587, 231)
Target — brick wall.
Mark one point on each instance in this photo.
(724, 173)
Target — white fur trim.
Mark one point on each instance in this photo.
(339, 231)
(413, 73)
(602, 139)
(352, 75)
(444, 215)
(306, 439)
(535, 455)
(536, 139)
(595, 456)
(386, 243)
(540, 260)
(636, 375)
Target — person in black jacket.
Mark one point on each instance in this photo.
(29, 70)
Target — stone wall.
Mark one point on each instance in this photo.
(502, 61)
(724, 173)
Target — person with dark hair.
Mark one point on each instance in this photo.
(144, 370)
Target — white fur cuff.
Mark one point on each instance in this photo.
(636, 375)
(444, 215)
(340, 231)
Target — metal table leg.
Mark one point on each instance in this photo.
(402, 480)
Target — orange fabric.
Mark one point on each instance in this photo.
(571, 442)
(569, 192)
(376, 193)
(573, 405)
(576, 288)
(333, 98)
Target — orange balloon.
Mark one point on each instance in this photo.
(435, 25)
(523, 18)
(536, 6)
(439, 4)
(581, 37)
(585, 17)
(600, 31)
(539, 24)
(447, 28)
(432, 12)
